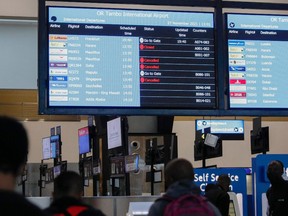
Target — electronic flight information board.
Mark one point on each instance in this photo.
(108, 57)
(257, 49)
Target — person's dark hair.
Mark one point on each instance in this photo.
(275, 171)
(14, 145)
(179, 169)
(224, 181)
(68, 183)
(281, 165)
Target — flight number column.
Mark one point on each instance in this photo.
(103, 57)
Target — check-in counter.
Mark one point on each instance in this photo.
(109, 205)
(116, 205)
(119, 205)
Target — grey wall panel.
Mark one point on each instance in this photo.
(18, 54)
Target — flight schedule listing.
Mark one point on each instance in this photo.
(257, 49)
(131, 58)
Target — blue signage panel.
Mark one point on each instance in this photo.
(238, 182)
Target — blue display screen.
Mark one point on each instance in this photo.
(83, 140)
(55, 146)
(257, 62)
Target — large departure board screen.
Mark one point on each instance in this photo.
(257, 49)
(105, 57)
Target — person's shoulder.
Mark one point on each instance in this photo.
(224, 194)
(268, 191)
(72, 208)
(286, 187)
(11, 197)
(156, 209)
(215, 210)
(91, 211)
(16, 204)
(86, 209)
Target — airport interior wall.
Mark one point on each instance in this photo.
(235, 153)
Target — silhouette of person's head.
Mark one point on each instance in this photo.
(275, 171)
(13, 157)
(68, 184)
(14, 146)
(177, 170)
(224, 182)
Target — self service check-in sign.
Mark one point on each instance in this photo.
(238, 182)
